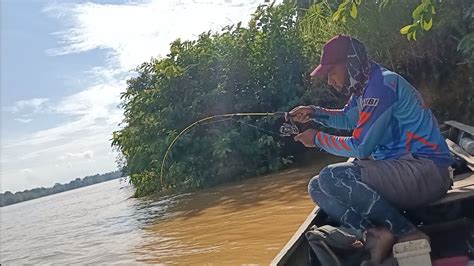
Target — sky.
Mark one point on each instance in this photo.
(64, 65)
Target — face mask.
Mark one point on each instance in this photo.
(358, 68)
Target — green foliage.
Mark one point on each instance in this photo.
(346, 8)
(316, 27)
(433, 63)
(422, 14)
(422, 17)
(254, 69)
(263, 68)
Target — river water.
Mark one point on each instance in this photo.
(244, 222)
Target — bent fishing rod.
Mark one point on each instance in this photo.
(286, 130)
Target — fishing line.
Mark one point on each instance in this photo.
(229, 116)
(259, 128)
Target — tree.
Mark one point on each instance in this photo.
(255, 69)
(422, 19)
(10, 198)
(7, 198)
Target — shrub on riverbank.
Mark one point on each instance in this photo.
(263, 68)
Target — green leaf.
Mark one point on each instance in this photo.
(433, 10)
(418, 10)
(337, 15)
(343, 5)
(405, 29)
(414, 35)
(358, 2)
(427, 25)
(354, 11)
(384, 3)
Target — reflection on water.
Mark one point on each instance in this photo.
(240, 223)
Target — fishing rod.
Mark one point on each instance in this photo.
(287, 129)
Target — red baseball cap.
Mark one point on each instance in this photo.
(334, 52)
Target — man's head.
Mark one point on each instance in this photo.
(344, 63)
(333, 64)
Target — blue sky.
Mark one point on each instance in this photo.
(64, 65)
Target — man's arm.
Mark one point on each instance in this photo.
(374, 119)
(345, 118)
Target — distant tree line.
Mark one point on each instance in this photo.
(8, 197)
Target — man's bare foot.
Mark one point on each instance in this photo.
(414, 235)
(379, 241)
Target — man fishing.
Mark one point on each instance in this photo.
(392, 125)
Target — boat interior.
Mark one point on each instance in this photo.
(449, 222)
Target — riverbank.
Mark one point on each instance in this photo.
(9, 198)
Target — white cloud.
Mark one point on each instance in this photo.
(134, 32)
(26, 171)
(34, 105)
(129, 34)
(57, 161)
(76, 148)
(94, 102)
(80, 155)
(92, 111)
(24, 120)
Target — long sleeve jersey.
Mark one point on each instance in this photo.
(388, 120)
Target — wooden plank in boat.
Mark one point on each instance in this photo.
(461, 126)
(296, 240)
(463, 180)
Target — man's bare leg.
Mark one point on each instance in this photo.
(379, 241)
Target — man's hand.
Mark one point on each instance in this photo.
(307, 137)
(301, 114)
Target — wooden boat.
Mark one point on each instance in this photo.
(449, 221)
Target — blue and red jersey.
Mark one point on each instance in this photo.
(388, 120)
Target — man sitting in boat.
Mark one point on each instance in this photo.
(392, 125)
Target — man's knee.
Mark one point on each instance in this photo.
(314, 187)
(325, 176)
(338, 176)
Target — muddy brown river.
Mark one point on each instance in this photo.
(245, 222)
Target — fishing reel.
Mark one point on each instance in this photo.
(289, 129)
